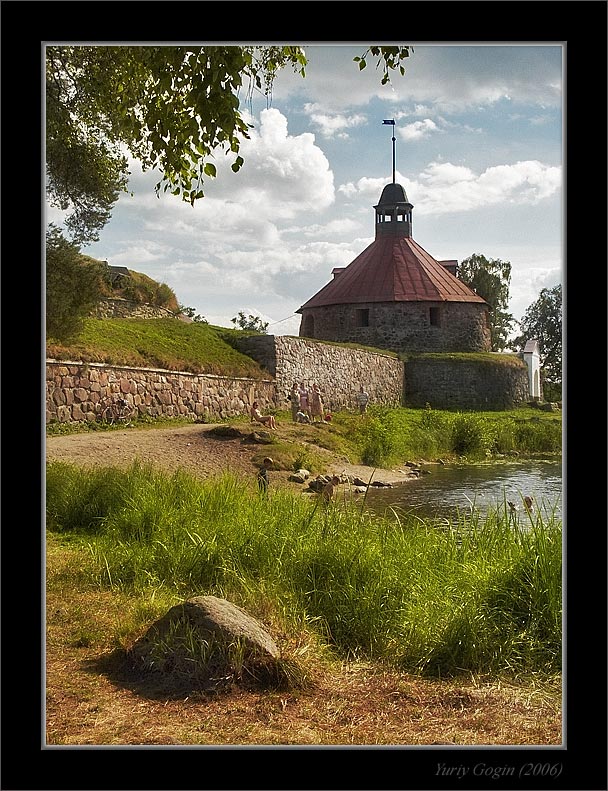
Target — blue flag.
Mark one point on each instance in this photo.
(389, 122)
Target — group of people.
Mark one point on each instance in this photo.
(306, 403)
(306, 406)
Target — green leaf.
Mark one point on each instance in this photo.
(238, 164)
(210, 169)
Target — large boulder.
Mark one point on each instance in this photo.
(208, 639)
(225, 432)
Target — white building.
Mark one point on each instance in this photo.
(531, 357)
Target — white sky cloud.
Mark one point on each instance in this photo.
(333, 125)
(443, 187)
(418, 129)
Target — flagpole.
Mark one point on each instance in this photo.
(392, 123)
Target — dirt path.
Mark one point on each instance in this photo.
(192, 448)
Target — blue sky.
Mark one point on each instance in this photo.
(479, 151)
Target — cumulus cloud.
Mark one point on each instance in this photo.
(418, 129)
(140, 252)
(333, 125)
(282, 174)
(365, 186)
(344, 226)
(442, 173)
(443, 187)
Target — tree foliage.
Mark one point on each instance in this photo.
(543, 322)
(390, 58)
(170, 108)
(252, 323)
(73, 286)
(190, 312)
(490, 279)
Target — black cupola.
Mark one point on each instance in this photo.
(394, 213)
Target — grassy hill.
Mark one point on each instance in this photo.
(137, 287)
(159, 343)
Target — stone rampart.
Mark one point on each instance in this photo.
(497, 382)
(338, 370)
(80, 391)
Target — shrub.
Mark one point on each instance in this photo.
(470, 435)
(539, 437)
(377, 443)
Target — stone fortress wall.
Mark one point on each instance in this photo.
(338, 370)
(77, 391)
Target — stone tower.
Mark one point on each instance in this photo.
(396, 296)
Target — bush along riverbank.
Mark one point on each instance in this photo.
(387, 436)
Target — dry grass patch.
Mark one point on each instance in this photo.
(95, 697)
(355, 705)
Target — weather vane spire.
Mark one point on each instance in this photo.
(391, 121)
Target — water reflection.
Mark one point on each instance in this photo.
(449, 490)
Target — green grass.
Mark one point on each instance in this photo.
(159, 343)
(478, 358)
(482, 596)
(387, 436)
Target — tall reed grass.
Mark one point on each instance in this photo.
(481, 595)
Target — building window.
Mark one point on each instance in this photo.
(434, 317)
(362, 317)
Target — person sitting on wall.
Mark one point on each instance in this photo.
(258, 417)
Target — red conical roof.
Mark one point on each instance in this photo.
(393, 269)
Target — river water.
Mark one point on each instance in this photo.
(449, 490)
